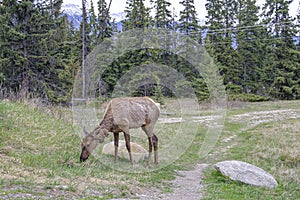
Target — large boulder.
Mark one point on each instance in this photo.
(137, 151)
(246, 173)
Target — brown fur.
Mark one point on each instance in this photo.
(121, 115)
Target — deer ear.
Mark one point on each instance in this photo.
(85, 132)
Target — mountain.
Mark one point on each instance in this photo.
(73, 13)
(118, 17)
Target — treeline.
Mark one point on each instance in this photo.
(39, 53)
(257, 49)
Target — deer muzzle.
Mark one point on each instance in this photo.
(84, 155)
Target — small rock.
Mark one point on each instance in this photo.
(6, 101)
(137, 151)
(246, 173)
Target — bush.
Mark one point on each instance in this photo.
(247, 97)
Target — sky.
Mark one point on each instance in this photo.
(119, 6)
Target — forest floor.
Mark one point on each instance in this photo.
(34, 167)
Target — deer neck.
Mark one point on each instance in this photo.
(107, 121)
(106, 124)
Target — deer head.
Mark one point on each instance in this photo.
(90, 142)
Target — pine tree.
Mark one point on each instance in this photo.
(93, 25)
(163, 17)
(137, 15)
(59, 61)
(32, 57)
(104, 25)
(283, 65)
(297, 73)
(6, 36)
(214, 26)
(188, 23)
(188, 26)
(219, 41)
(248, 45)
(298, 27)
(174, 19)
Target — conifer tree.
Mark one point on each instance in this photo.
(214, 26)
(137, 15)
(104, 25)
(174, 19)
(283, 66)
(188, 22)
(93, 25)
(163, 17)
(298, 28)
(188, 25)
(219, 41)
(32, 56)
(249, 45)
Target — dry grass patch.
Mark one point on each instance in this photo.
(267, 135)
(279, 143)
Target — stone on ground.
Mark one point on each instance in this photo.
(137, 151)
(246, 173)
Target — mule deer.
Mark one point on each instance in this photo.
(121, 115)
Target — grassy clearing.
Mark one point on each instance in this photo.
(39, 155)
(273, 146)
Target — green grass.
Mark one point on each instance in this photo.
(39, 150)
(39, 155)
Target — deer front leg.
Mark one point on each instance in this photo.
(127, 141)
(116, 142)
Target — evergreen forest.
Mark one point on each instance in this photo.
(257, 49)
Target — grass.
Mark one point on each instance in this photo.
(273, 146)
(39, 155)
(38, 150)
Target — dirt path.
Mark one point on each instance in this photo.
(187, 185)
(252, 119)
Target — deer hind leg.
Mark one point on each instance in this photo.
(127, 140)
(150, 150)
(116, 143)
(155, 145)
(153, 142)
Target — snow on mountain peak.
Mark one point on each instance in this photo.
(71, 9)
(117, 17)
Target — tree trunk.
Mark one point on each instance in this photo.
(83, 47)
